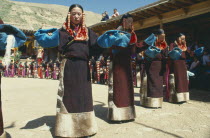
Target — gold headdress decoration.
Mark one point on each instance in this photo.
(82, 33)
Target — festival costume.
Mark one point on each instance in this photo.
(177, 88)
(120, 84)
(151, 91)
(2, 132)
(75, 116)
(10, 37)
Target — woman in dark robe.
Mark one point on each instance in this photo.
(42, 70)
(92, 64)
(26, 69)
(178, 84)
(102, 65)
(55, 72)
(20, 68)
(120, 84)
(35, 70)
(151, 92)
(47, 71)
(75, 116)
(2, 132)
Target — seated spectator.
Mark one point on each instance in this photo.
(205, 58)
(105, 16)
(194, 65)
(204, 77)
(194, 46)
(116, 13)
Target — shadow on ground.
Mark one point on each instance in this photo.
(101, 111)
(10, 126)
(200, 95)
(48, 120)
(8, 135)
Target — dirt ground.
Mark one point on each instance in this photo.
(29, 107)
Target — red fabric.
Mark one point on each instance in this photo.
(106, 76)
(98, 71)
(161, 45)
(40, 72)
(81, 33)
(1, 21)
(133, 38)
(39, 60)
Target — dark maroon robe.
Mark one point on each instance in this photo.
(154, 69)
(1, 117)
(179, 68)
(77, 80)
(123, 92)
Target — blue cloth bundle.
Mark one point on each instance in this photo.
(6, 29)
(3, 40)
(45, 40)
(175, 54)
(150, 40)
(199, 51)
(152, 52)
(114, 38)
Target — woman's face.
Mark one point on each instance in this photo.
(128, 22)
(76, 15)
(181, 39)
(161, 38)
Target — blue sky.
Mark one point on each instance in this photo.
(99, 6)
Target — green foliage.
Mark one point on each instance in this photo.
(17, 56)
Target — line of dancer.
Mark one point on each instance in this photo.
(164, 73)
